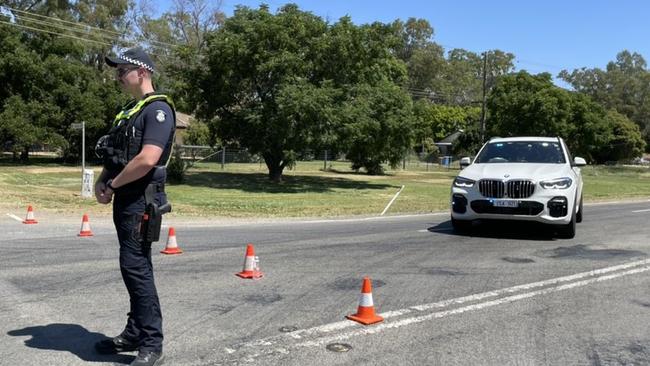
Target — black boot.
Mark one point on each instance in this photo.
(148, 358)
(115, 345)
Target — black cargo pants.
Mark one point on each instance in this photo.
(144, 323)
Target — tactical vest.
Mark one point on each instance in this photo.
(124, 140)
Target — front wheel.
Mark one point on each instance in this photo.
(568, 231)
(579, 214)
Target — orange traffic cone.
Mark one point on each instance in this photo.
(30, 216)
(85, 227)
(172, 246)
(251, 265)
(366, 310)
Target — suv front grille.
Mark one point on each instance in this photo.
(493, 188)
(520, 188)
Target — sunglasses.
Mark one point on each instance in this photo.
(121, 71)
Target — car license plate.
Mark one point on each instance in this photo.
(505, 203)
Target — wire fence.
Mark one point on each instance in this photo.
(225, 156)
(323, 159)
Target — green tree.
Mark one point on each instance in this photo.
(276, 83)
(414, 34)
(109, 22)
(49, 74)
(437, 121)
(377, 126)
(24, 125)
(198, 133)
(456, 79)
(348, 54)
(623, 86)
(625, 139)
(463, 75)
(424, 58)
(176, 40)
(255, 63)
(530, 105)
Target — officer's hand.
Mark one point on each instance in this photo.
(103, 194)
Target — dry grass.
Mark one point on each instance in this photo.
(243, 190)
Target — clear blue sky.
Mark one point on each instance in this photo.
(544, 35)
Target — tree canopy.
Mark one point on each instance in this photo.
(527, 105)
(623, 86)
(48, 86)
(280, 83)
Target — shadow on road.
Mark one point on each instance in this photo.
(499, 229)
(257, 182)
(71, 338)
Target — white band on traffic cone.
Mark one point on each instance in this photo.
(365, 300)
(249, 263)
(171, 242)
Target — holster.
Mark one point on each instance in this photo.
(152, 217)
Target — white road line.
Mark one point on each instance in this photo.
(623, 202)
(15, 217)
(598, 275)
(372, 218)
(533, 285)
(391, 201)
(637, 211)
(441, 314)
(457, 301)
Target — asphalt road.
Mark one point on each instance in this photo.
(509, 294)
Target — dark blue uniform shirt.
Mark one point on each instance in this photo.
(156, 121)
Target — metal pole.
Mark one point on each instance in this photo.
(223, 157)
(484, 97)
(83, 146)
(86, 175)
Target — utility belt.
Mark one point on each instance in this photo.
(149, 229)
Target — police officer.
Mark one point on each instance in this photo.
(135, 153)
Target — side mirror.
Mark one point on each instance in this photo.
(465, 162)
(577, 161)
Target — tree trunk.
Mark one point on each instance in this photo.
(275, 174)
(275, 166)
(374, 168)
(24, 155)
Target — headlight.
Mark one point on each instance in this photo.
(463, 182)
(558, 183)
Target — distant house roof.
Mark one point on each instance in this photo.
(447, 141)
(183, 120)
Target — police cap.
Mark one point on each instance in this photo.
(134, 56)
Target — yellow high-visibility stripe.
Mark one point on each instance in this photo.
(125, 115)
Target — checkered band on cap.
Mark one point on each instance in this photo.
(136, 62)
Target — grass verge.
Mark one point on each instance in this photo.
(243, 190)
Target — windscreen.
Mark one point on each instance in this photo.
(522, 152)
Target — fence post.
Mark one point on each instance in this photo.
(223, 157)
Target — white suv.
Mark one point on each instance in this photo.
(520, 178)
